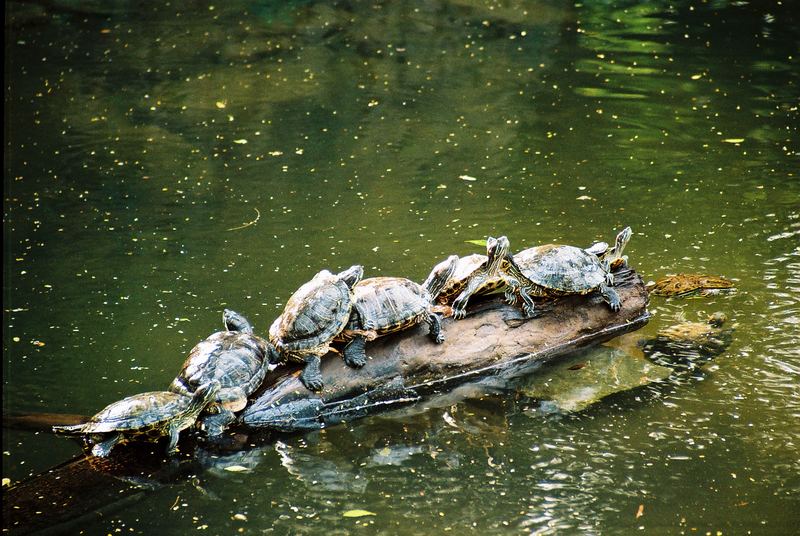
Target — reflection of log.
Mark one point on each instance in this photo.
(493, 340)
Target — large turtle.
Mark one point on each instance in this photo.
(384, 305)
(236, 358)
(147, 415)
(554, 270)
(316, 313)
(474, 274)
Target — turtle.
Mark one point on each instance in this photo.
(383, 305)
(689, 343)
(685, 285)
(554, 270)
(148, 415)
(316, 313)
(474, 274)
(236, 358)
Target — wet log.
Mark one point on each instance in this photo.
(494, 340)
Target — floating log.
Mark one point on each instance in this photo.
(493, 340)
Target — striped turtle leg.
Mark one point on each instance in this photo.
(311, 377)
(611, 297)
(103, 449)
(435, 323)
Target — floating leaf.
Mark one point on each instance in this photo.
(220, 104)
(240, 517)
(358, 513)
(467, 178)
(476, 242)
(237, 469)
(733, 140)
(697, 76)
(241, 141)
(6, 482)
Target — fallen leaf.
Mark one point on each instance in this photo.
(358, 513)
(6, 482)
(733, 140)
(237, 469)
(220, 104)
(467, 178)
(240, 517)
(241, 141)
(585, 198)
(640, 511)
(697, 76)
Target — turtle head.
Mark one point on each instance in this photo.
(233, 321)
(440, 275)
(496, 251)
(352, 275)
(622, 240)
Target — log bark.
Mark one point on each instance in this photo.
(493, 340)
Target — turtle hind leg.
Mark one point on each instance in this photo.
(355, 354)
(103, 448)
(611, 297)
(435, 323)
(311, 377)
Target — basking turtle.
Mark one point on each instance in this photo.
(684, 285)
(316, 313)
(556, 270)
(384, 305)
(146, 415)
(474, 274)
(236, 358)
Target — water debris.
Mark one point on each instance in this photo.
(697, 76)
(240, 517)
(237, 469)
(248, 224)
(358, 513)
(640, 511)
(240, 141)
(467, 178)
(584, 198)
(221, 104)
(733, 140)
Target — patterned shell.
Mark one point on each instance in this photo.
(142, 412)
(563, 268)
(234, 359)
(390, 303)
(314, 315)
(464, 268)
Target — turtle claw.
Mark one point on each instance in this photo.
(458, 314)
(312, 384)
(311, 377)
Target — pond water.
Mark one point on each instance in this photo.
(168, 159)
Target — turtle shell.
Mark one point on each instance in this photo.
(314, 315)
(564, 269)
(238, 361)
(139, 413)
(389, 304)
(465, 267)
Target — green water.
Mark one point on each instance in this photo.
(167, 160)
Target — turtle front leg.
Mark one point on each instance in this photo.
(527, 302)
(460, 303)
(355, 354)
(174, 435)
(311, 377)
(611, 297)
(103, 449)
(435, 323)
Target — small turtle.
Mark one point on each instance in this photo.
(236, 358)
(316, 313)
(384, 305)
(689, 342)
(685, 285)
(556, 270)
(147, 415)
(474, 274)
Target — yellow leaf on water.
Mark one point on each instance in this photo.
(240, 141)
(467, 178)
(6, 482)
(697, 76)
(733, 140)
(358, 513)
(221, 104)
(237, 469)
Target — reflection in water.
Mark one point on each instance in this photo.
(138, 137)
